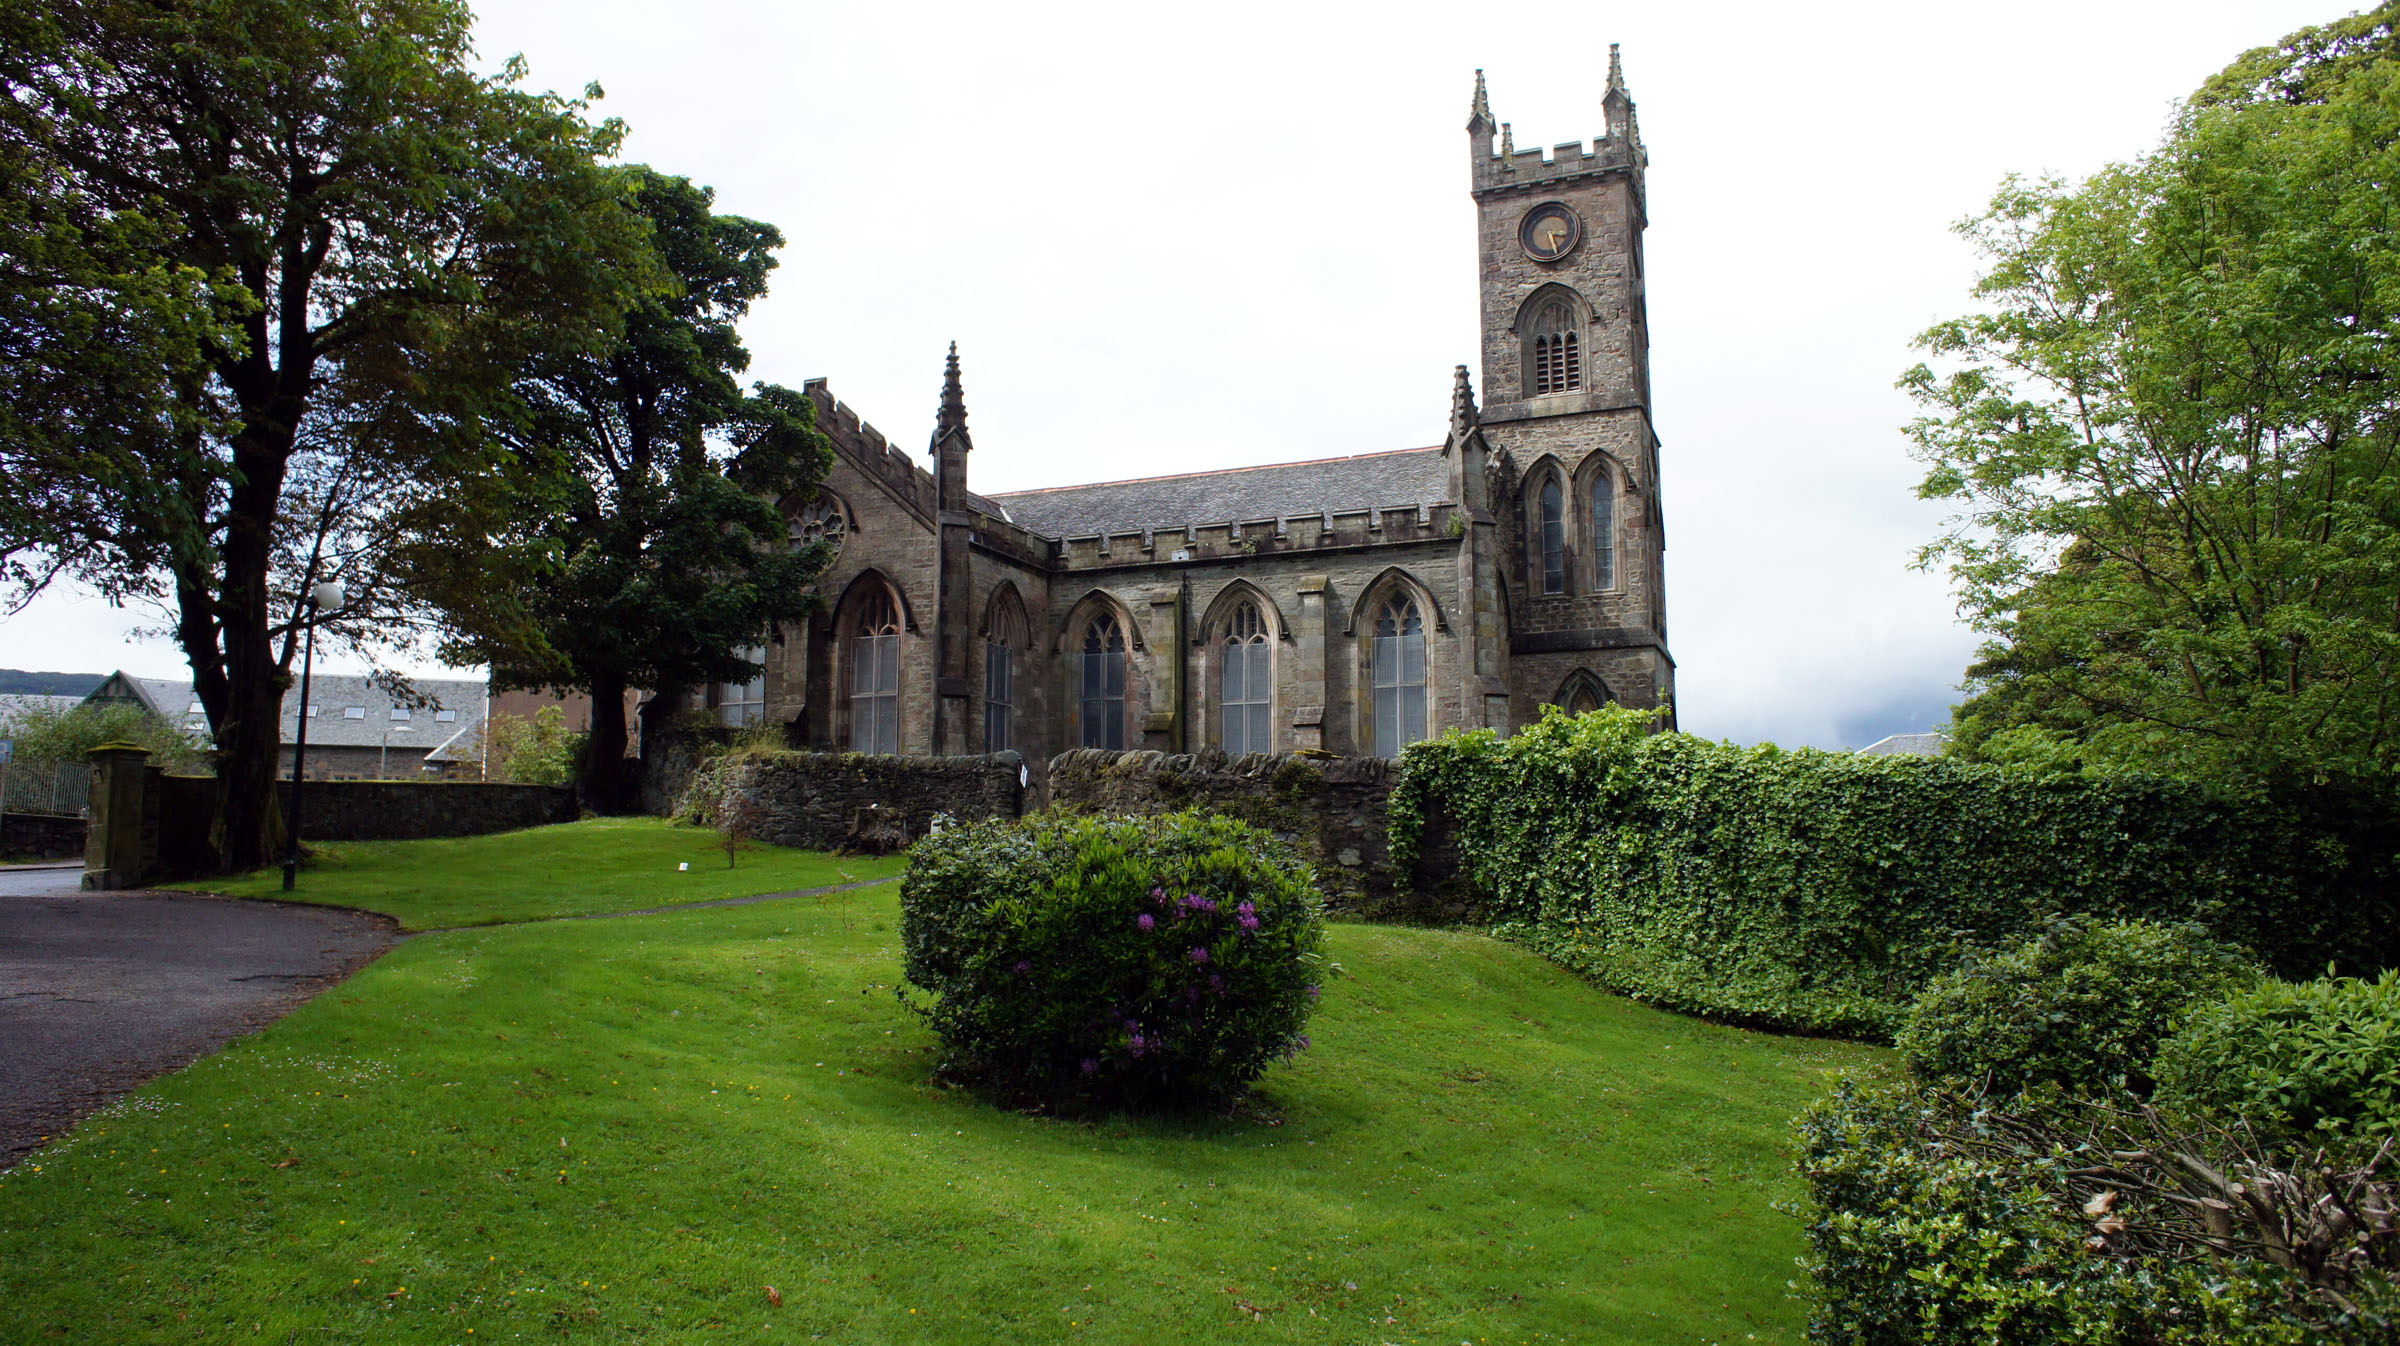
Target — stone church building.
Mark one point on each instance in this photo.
(1352, 605)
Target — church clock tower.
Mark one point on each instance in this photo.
(1566, 378)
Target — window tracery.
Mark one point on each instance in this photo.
(1550, 537)
(820, 521)
(745, 702)
(1398, 674)
(1554, 357)
(875, 676)
(1604, 532)
(1244, 687)
(1100, 684)
(1003, 637)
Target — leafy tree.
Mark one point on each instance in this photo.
(2172, 436)
(652, 490)
(46, 740)
(254, 214)
(538, 751)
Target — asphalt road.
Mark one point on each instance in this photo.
(102, 992)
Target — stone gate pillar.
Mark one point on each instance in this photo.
(113, 842)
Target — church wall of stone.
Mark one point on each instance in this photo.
(1313, 573)
(1010, 560)
(1496, 650)
(887, 502)
(1602, 272)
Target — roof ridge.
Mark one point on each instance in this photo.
(1217, 471)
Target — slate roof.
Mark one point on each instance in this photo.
(1235, 494)
(333, 694)
(13, 704)
(464, 746)
(1906, 745)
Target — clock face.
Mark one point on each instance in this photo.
(1549, 232)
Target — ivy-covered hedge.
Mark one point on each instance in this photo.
(1822, 891)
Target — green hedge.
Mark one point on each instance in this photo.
(1822, 891)
(2082, 1007)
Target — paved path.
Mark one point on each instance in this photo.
(103, 992)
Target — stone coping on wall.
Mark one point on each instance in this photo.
(1335, 811)
(817, 800)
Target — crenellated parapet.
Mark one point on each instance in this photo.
(867, 449)
(1618, 149)
(1288, 535)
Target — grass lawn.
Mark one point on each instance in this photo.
(625, 1130)
(616, 864)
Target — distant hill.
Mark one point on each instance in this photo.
(18, 682)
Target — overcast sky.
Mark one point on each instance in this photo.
(1176, 238)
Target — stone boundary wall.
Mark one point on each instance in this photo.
(411, 810)
(1334, 810)
(812, 799)
(48, 836)
(148, 827)
(670, 758)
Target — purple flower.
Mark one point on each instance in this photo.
(1216, 983)
(1023, 967)
(1090, 1066)
(1194, 902)
(1146, 921)
(1138, 1044)
(1248, 909)
(1198, 955)
(1315, 992)
(1158, 894)
(1249, 922)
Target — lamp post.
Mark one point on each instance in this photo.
(323, 600)
(383, 763)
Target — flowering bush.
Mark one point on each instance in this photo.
(1095, 963)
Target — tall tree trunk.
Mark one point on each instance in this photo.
(605, 786)
(248, 726)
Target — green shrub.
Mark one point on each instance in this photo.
(1822, 891)
(537, 751)
(2318, 1060)
(1095, 963)
(2083, 1007)
(1937, 1221)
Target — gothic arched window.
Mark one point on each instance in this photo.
(745, 702)
(1398, 668)
(1604, 532)
(1244, 689)
(1550, 537)
(1003, 636)
(1554, 358)
(875, 676)
(1100, 684)
(1583, 696)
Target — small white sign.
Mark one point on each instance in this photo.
(1179, 556)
